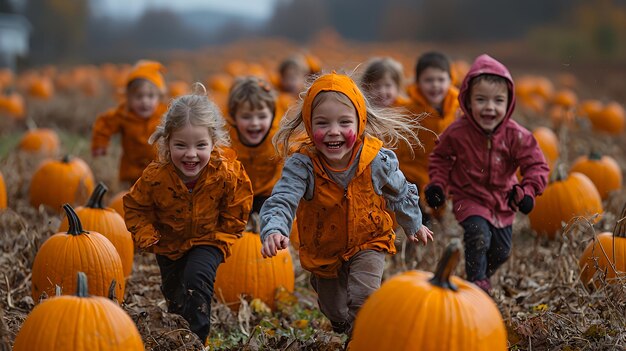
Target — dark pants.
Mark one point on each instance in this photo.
(486, 247)
(187, 285)
(257, 203)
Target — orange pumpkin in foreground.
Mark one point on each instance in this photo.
(603, 171)
(57, 182)
(417, 310)
(246, 272)
(106, 221)
(566, 197)
(78, 322)
(605, 256)
(65, 254)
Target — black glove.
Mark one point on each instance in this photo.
(526, 205)
(434, 196)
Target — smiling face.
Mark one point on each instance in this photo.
(190, 148)
(334, 124)
(384, 91)
(434, 84)
(143, 99)
(488, 103)
(252, 123)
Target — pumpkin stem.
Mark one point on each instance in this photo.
(594, 155)
(82, 289)
(95, 200)
(112, 295)
(446, 266)
(620, 226)
(66, 159)
(75, 227)
(559, 174)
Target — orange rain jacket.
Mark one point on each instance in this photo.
(160, 207)
(416, 169)
(135, 132)
(337, 223)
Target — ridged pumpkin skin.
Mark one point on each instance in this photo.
(411, 312)
(562, 200)
(65, 254)
(57, 182)
(603, 171)
(3, 193)
(40, 141)
(548, 143)
(80, 322)
(106, 221)
(247, 272)
(606, 253)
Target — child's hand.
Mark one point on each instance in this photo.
(423, 234)
(434, 196)
(520, 202)
(98, 152)
(273, 243)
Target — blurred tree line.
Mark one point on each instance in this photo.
(67, 31)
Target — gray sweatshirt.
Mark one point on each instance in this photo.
(297, 182)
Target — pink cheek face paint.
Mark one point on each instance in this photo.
(318, 137)
(350, 137)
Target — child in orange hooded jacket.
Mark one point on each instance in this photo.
(434, 96)
(190, 206)
(255, 117)
(135, 119)
(340, 183)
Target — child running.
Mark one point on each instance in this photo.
(190, 206)
(382, 82)
(475, 163)
(340, 182)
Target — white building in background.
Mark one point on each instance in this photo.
(14, 34)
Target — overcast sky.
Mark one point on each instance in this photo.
(133, 8)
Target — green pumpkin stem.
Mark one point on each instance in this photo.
(95, 200)
(594, 156)
(66, 159)
(82, 289)
(446, 266)
(559, 174)
(75, 227)
(620, 226)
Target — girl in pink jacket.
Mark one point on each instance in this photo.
(475, 162)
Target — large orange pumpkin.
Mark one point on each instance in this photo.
(42, 141)
(3, 193)
(603, 171)
(106, 221)
(417, 310)
(566, 197)
(246, 272)
(605, 255)
(54, 183)
(65, 254)
(78, 322)
(610, 119)
(548, 143)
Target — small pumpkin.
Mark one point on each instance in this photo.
(177, 88)
(41, 141)
(411, 308)
(56, 182)
(65, 254)
(246, 272)
(603, 171)
(41, 88)
(589, 107)
(3, 193)
(606, 255)
(565, 197)
(610, 119)
(548, 143)
(106, 221)
(565, 98)
(78, 322)
(12, 105)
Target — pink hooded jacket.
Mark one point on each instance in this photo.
(478, 169)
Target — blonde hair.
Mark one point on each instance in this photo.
(195, 109)
(253, 90)
(378, 67)
(391, 125)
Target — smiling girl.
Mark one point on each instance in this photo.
(190, 206)
(341, 182)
